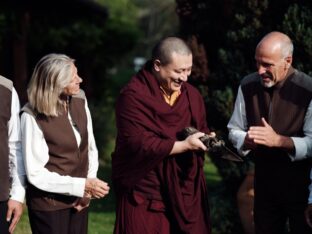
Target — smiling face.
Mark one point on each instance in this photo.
(74, 86)
(272, 62)
(172, 75)
(271, 67)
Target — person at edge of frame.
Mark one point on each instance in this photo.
(272, 119)
(12, 171)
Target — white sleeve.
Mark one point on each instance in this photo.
(92, 149)
(36, 156)
(303, 145)
(237, 125)
(16, 164)
(310, 189)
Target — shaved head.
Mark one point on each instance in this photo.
(274, 57)
(277, 42)
(164, 50)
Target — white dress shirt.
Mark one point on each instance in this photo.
(237, 127)
(16, 164)
(36, 156)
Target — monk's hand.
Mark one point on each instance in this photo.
(15, 210)
(194, 143)
(308, 215)
(212, 134)
(264, 135)
(96, 187)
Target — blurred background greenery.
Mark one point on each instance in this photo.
(105, 37)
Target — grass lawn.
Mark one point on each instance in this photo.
(102, 215)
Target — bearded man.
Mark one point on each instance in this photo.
(272, 118)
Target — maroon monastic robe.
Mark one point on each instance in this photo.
(147, 129)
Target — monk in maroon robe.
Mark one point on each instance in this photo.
(158, 178)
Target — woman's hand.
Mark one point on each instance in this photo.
(82, 202)
(96, 188)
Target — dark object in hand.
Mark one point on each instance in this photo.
(213, 144)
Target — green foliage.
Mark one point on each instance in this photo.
(104, 128)
(103, 43)
(2, 29)
(76, 35)
(223, 212)
(297, 24)
(98, 45)
(103, 114)
(224, 215)
(221, 102)
(124, 11)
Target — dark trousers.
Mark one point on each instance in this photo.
(67, 221)
(273, 217)
(4, 225)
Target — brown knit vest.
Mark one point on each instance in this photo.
(65, 157)
(5, 115)
(284, 107)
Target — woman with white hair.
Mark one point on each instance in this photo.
(61, 158)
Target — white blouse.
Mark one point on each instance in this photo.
(16, 164)
(36, 156)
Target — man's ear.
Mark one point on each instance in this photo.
(288, 60)
(157, 65)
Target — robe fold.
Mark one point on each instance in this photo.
(147, 129)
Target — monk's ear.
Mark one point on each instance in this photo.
(157, 65)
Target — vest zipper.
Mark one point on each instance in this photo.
(271, 108)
